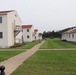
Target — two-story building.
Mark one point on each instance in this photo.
(36, 37)
(28, 33)
(10, 28)
(40, 36)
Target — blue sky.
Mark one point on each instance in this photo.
(46, 15)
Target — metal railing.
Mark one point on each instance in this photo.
(17, 28)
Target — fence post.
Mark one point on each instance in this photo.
(2, 68)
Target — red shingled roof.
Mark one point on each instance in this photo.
(26, 26)
(36, 30)
(5, 12)
(40, 34)
(70, 31)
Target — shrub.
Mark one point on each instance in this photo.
(16, 45)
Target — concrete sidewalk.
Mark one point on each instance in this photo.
(60, 49)
(12, 63)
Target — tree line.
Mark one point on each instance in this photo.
(54, 34)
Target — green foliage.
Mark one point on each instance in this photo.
(55, 34)
(16, 45)
(57, 43)
(52, 34)
(49, 63)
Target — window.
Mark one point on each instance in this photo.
(14, 22)
(69, 35)
(22, 30)
(72, 35)
(35, 37)
(0, 19)
(27, 30)
(22, 39)
(15, 15)
(1, 35)
(27, 36)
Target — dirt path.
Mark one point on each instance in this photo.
(12, 63)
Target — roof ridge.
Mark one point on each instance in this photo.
(27, 26)
(6, 11)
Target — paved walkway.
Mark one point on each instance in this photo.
(60, 49)
(12, 63)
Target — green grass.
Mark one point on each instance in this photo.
(28, 45)
(49, 63)
(10, 52)
(57, 43)
(4, 55)
(25, 46)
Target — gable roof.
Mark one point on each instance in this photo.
(70, 31)
(26, 26)
(40, 34)
(5, 12)
(36, 30)
(8, 11)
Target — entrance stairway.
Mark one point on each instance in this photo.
(17, 30)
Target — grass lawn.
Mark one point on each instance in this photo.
(49, 63)
(57, 43)
(28, 45)
(7, 54)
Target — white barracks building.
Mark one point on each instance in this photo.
(36, 37)
(28, 33)
(10, 28)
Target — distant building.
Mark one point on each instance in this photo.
(28, 33)
(69, 35)
(10, 28)
(36, 37)
(40, 36)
